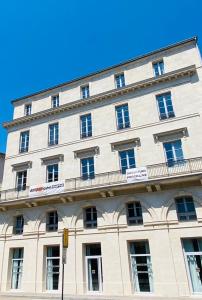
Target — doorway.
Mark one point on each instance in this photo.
(94, 268)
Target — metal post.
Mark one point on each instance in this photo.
(63, 279)
(65, 243)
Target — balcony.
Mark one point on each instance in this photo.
(115, 180)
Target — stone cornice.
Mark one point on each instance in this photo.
(188, 71)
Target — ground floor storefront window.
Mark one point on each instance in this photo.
(52, 267)
(193, 256)
(17, 265)
(141, 266)
(93, 261)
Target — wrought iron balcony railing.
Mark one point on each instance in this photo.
(157, 171)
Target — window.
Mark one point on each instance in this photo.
(193, 255)
(90, 217)
(18, 225)
(134, 213)
(55, 101)
(28, 109)
(174, 153)
(85, 92)
(17, 267)
(120, 80)
(165, 106)
(127, 160)
(52, 221)
(122, 116)
(52, 173)
(87, 168)
(141, 266)
(185, 209)
(94, 273)
(24, 141)
(52, 267)
(86, 126)
(53, 134)
(158, 68)
(21, 180)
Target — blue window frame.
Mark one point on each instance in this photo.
(185, 208)
(55, 101)
(52, 173)
(24, 141)
(53, 134)
(28, 109)
(158, 68)
(165, 106)
(87, 168)
(85, 92)
(86, 125)
(174, 153)
(127, 160)
(122, 116)
(120, 80)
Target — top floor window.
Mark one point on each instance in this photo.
(127, 159)
(24, 141)
(55, 101)
(165, 106)
(53, 134)
(18, 225)
(158, 68)
(120, 80)
(134, 213)
(185, 208)
(86, 125)
(174, 153)
(85, 92)
(28, 109)
(122, 116)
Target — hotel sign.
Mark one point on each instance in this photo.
(46, 189)
(136, 175)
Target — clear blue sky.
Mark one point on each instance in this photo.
(46, 42)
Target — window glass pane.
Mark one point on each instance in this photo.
(87, 168)
(185, 209)
(122, 114)
(86, 126)
(127, 159)
(85, 91)
(24, 141)
(53, 134)
(52, 173)
(90, 217)
(120, 80)
(165, 106)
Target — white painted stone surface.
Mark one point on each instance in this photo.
(161, 227)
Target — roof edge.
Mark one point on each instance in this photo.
(192, 39)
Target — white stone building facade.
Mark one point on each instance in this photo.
(125, 238)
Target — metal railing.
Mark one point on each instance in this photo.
(157, 171)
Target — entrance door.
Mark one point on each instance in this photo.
(141, 266)
(94, 268)
(193, 254)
